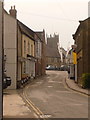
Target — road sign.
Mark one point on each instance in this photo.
(1, 58)
(74, 58)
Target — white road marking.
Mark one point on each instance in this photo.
(49, 86)
(45, 116)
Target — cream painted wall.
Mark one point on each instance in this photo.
(30, 65)
(27, 39)
(10, 48)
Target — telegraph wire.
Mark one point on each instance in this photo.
(49, 17)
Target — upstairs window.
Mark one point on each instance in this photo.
(32, 50)
(28, 48)
(24, 47)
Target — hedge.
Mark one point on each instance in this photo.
(86, 80)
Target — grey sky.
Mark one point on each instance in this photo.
(55, 16)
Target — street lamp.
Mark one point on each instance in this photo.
(74, 46)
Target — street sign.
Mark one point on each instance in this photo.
(1, 58)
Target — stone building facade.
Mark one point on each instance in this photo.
(41, 59)
(20, 49)
(26, 52)
(82, 40)
(52, 53)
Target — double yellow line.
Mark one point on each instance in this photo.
(39, 113)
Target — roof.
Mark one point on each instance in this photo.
(40, 34)
(27, 31)
(30, 33)
(8, 14)
(81, 22)
(52, 52)
(5, 12)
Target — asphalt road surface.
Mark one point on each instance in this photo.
(54, 99)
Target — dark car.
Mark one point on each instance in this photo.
(6, 81)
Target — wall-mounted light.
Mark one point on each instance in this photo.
(74, 46)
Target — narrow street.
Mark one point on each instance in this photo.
(51, 98)
(44, 60)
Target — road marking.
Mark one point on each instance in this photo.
(63, 91)
(45, 116)
(75, 104)
(35, 115)
(34, 107)
(49, 86)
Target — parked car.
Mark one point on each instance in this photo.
(64, 68)
(6, 81)
(50, 68)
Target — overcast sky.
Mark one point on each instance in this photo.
(55, 16)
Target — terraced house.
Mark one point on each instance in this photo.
(20, 49)
(40, 51)
(10, 47)
(26, 52)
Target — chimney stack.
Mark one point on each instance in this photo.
(13, 12)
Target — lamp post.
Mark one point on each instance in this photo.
(1, 59)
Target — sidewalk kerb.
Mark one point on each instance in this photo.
(75, 89)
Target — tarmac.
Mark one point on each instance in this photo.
(16, 107)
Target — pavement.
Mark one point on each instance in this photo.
(18, 108)
(14, 106)
(74, 86)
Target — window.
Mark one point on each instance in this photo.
(52, 60)
(28, 48)
(24, 68)
(32, 50)
(24, 47)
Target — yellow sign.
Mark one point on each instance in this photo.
(74, 58)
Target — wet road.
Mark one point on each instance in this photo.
(54, 99)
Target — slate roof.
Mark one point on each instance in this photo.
(27, 31)
(40, 35)
(52, 52)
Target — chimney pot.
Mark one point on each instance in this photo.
(14, 7)
(13, 12)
